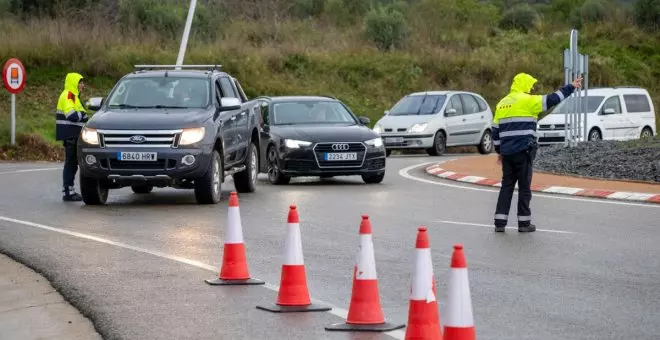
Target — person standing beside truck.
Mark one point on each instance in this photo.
(70, 117)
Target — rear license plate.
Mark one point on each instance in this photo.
(137, 156)
(341, 156)
(394, 140)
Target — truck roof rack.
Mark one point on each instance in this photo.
(215, 67)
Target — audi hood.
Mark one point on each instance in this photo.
(325, 133)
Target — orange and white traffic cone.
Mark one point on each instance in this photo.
(423, 314)
(459, 324)
(293, 294)
(234, 270)
(365, 312)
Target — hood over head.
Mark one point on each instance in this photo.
(523, 82)
(71, 82)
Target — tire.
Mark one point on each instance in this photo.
(142, 189)
(246, 181)
(646, 133)
(93, 191)
(439, 145)
(485, 147)
(274, 175)
(594, 134)
(373, 179)
(208, 188)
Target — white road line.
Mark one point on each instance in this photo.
(492, 226)
(405, 173)
(342, 313)
(27, 170)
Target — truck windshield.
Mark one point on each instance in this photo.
(161, 92)
(566, 106)
(418, 105)
(311, 112)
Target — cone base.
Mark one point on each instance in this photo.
(221, 282)
(377, 327)
(295, 309)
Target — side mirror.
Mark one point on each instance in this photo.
(450, 112)
(228, 104)
(365, 120)
(386, 112)
(608, 111)
(94, 103)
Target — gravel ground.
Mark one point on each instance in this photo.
(631, 160)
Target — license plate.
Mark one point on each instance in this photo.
(394, 140)
(552, 134)
(341, 156)
(137, 156)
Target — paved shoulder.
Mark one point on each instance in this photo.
(30, 308)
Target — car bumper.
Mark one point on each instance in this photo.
(551, 137)
(408, 141)
(311, 161)
(164, 171)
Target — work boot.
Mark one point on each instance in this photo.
(70, 195)
(529, 228)
(500, 228)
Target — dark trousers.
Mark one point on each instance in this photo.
(70, 163)
(516, 168)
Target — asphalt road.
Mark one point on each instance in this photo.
(137, 266)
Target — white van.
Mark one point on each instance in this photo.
(434, 120)
(613, 113)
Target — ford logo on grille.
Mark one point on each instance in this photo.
(138, 139)
(340, 147)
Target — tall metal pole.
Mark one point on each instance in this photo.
(574, 47)
(585, 85)
(13, 119)
(186, 33)
(567, 80)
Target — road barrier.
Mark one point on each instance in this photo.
(365, 312)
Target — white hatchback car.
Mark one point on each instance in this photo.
(434, 120)
(613, 113)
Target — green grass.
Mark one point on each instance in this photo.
(320, 56)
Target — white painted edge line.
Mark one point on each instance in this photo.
(636, 196)
(492, 226)
(471, 179)
(563, 190)
(339, 312)
(405, 173)
(27, 170)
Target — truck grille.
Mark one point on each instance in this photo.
(321, 149)
(551, 127)
(139, 138)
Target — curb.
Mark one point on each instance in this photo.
(437, 171)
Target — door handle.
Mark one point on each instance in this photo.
(233, 118)
(463, 119)
(482, 117)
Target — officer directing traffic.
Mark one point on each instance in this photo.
(70, 118)
(514, 139)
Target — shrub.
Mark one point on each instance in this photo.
(647, 13)
(386, 27)
(522, 17)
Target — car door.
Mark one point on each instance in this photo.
(614, 125)
(456, 122)
(226, 126)
(474, 118)
(240, 118)
(637, 111)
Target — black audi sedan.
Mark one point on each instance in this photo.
(317, 136)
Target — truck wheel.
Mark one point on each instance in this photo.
(93, 191)
(373, 179)
(246, 181)
(142, 189)
(207, 188)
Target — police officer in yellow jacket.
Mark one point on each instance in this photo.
(514, 139)
(70, 117)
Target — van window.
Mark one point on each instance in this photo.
(613, 103)
(566, 106)
(417, 105)
(636, 103)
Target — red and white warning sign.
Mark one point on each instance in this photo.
(13, 76)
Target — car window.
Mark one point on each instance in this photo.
(311, 112)
(227, 88)
(264, 111)
(636, 103)
(417, 105)
(483, 106)
(613, 103)
(455, 103)
(470, 104)
(171, 91)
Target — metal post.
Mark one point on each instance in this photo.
(585, 85)
(567, 80)
(578, 113)
(574, 59)
(186, 33)
(13, 119)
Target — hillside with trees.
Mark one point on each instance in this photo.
(368, 53)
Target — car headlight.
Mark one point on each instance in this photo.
(90, 136)
(296, 144)
(192, 136)
(377, 129)
(376, 142)
(418, 127)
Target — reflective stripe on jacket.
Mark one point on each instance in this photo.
(516, 115)
(70, 115)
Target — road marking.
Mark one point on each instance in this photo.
(27, 170)
(339, 312)
(492, 226)
(405, 173)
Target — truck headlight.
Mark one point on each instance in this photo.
(296, 144)
(378, 129)
(376, 142)
(192, 136)
(418, 128)
(90, 136)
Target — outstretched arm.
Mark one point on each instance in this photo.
(543, 103)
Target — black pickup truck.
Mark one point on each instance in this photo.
(184, 127)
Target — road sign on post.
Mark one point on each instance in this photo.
(13, 77)
(576, 65)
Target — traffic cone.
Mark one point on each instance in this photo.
(293, 294)
(365, 312)
(459, 324)
(423, 314)
(234, 269)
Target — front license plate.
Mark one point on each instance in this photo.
(394, 140)
(341, 156)
(552, 134)
(137, 156)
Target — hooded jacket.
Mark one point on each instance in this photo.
(70, 115)
(516, 115)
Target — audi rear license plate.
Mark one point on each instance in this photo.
(340, 156)
(137, 156)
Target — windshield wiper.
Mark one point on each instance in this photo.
(163, 107)
(124, 106)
